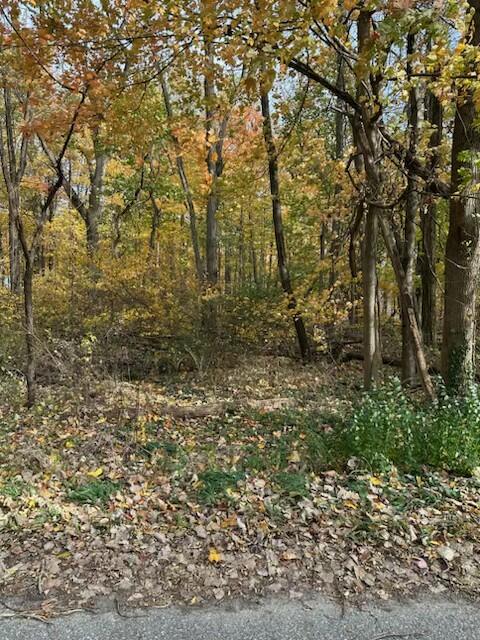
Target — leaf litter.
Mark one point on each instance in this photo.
(98, 506)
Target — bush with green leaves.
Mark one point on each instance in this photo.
(388, 427)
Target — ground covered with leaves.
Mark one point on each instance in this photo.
(207, 488)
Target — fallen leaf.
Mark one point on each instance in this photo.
(96, 473)
(214, 555)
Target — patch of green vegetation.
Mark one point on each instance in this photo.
(215, 485)
(93, 492)
(294, 484)
(390, 428)
(14, 488)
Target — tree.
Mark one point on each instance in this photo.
(13, 158)
(283, 271)
(462, 254)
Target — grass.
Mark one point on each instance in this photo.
(93, 492)
(216, 484)
(14, 488)
(293, 484)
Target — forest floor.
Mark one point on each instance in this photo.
(214, 486)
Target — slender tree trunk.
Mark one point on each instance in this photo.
(278, 227)
(253, 252)
(228, 268)
(371, 344)
(462, 257)
(427, 262)
(13, 244)
(13, 159)
(409, 242)
(428, 273)
(29, 330)
(408, 307)
(189, 203)
(214, 167)
(156, 215)
(94, 210)
(368, 143)
(241, 251)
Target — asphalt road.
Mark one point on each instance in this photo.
(277, 619)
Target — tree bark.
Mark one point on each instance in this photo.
(408, 307)
(368, 144)
(214, 139)
(189, 203)
(411, 208)
(13, 167)
(278, 226)
(427, 261)
(29, 331)
(156, 216)
(371, 342)
(462, 256)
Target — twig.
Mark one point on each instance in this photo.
(126, 615)
(30, 615)
(40, 578)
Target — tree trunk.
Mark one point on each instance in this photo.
(428, 273)
(156, 215)
(214, 167)
(278, 227)
(409, 242)
(371, 346)
(253, 252)
(427, 262)
(189, 203)
(94, 211)
(13, 244)
(408, 307)
(462, 256)
(13, 157)
(91, 226)
(368, 143)
(29, 330)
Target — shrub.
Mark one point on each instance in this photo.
(390, 428)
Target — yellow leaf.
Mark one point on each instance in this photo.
(349, 504)
(96, 473)
(69, 444)
(231, 521)
(375, 481)
(214, 555)
(294, 456)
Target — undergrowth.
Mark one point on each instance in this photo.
(390, 428)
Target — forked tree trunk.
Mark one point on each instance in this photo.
(90, 211)
(278, 227)
(462, 256)
(408, 307)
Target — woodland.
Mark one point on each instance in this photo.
(239, 260)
